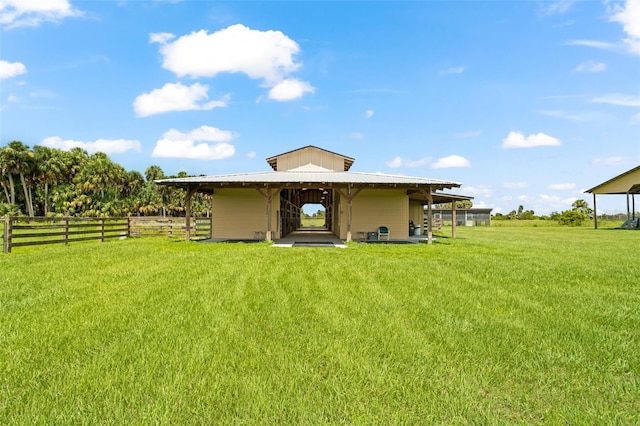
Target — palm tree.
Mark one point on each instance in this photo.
(21, 162)
(7, 166)
(51, 168)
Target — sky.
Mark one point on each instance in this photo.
(523, 102)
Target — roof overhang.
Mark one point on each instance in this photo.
(305, 179)
(625, 183)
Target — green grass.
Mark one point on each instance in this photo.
(313, 222)
(501, 325)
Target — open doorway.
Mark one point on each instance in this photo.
(314, 216)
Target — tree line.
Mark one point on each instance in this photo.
(579, 212)
(42, 181)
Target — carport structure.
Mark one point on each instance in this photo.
(268, 205)
(627, 183)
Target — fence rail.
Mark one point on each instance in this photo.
(34, 231)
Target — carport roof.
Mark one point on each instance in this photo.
(307, 179)
(625, 183)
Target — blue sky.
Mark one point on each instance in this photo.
(523, 102)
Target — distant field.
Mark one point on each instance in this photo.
(501, 325)
(313, 222)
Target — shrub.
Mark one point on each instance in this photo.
(571, 218)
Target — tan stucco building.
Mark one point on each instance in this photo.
(268, 205)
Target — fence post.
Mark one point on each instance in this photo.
(102, 229)
(6, 236)
(128, 226)
(65, 237)
(210, 227)
(170, 228)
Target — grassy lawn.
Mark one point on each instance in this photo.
(313, 222)
(502, 325)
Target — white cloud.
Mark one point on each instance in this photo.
(290, 89)
(369, 113)
(480, 190)
(629, 16)
(591, 66)
(595, 44)
(267, 55)
(518, 140)
(161, 38)
(608, 161)
(398, 162)
(196, 144)
(523, 198)
(108, 146)
(251, 154)
(452, 70)
(515, 185)
(636, 117)
(617, 99)
(562, 186)
(451, 161)
(557, 7)
(356, 135)
(11, 69)
(175, 97)
(553, 202)
(584, 116)
(22, 13)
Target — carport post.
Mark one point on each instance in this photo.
(595, 213)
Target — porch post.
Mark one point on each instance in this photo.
(268, 197)
(268, 236)
(349, 196)
(427, 194)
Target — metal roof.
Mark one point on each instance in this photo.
(307, 178)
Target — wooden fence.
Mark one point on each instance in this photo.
(34, 231)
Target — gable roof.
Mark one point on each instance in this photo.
(627, 182)
(273, 161)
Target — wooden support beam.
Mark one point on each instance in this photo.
(349, 196)
(429, 197)
(268, 196)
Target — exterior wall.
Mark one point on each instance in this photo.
(239, 213)
(377, 207)
(310, 156)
